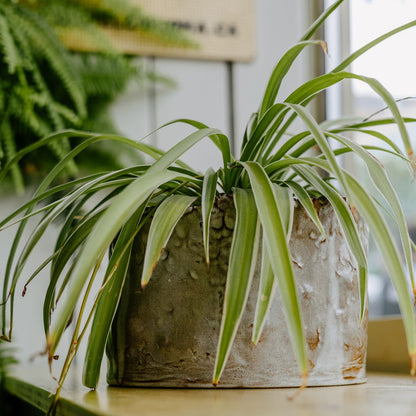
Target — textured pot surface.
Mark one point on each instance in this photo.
(167, 335)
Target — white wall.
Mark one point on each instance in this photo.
(206, 91)
(203, 93)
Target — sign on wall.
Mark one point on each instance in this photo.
(223, 30)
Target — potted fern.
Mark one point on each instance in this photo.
(256, 202)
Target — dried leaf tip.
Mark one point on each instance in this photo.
(324, 46)
(304, 379)
(413, 364)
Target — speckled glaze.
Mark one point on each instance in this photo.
(166, 335)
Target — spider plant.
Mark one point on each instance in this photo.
(274, 168)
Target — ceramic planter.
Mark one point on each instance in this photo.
(167, 335)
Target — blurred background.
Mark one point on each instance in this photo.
(133, 94)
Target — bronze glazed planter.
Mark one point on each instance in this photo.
(166, 335)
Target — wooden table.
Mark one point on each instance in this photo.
(383, 394)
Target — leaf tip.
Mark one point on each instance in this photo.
(412, 357)
(304, 382)
(324, 46)
(411, 156)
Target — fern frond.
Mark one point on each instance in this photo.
(46, 88)
(7, 138)
(104, 76)
(23, 112)
(9, 50)
(47, 46)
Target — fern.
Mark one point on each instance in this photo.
(44, 87)
(10, 151)
(51, 53)
(30, 53)
(96, 70)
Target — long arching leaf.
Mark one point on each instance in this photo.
(306, 202)
(345, 218)
(279, 72)
(315, 85)
(243, 258)
(383, 184)
(107, 227)
(391, 258)
(268, 282)
(167, 215)
(207, 201)
(279, 255)
(267, 290)
(109, 297)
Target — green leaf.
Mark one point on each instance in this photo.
(104, 232)
(391, 103)
(279, 255)
(383, 184)
(89, 139)
(267, 289)
(288, 145)
(180, 148)
(372, 133)
(49, 217)
(242, 262)
(321, 141)
(345, 218)
(268, 282)
(109, 297)
(347, 62)
(167, 215)
(286, 206)
(207, 201)
(279, 72)
(315, 85)
(219, 139)
(272, 117)
(306, 202)
(321, 19)
(391, 258)
(66, 250)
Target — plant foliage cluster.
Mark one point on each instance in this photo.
(44, 87)
(274, 167)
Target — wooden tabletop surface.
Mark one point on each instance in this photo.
(383, 394)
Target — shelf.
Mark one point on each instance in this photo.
(383, 394)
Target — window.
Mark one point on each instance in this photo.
(393, 64)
